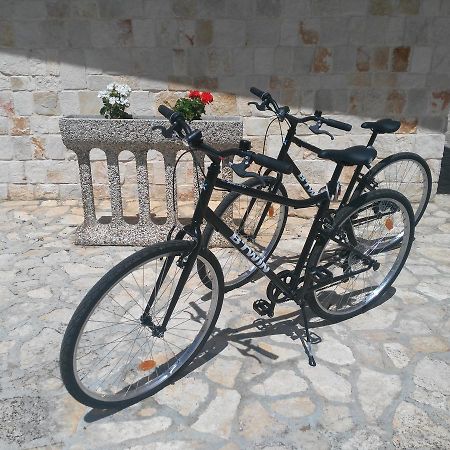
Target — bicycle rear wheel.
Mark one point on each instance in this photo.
(259, 222)
(357, 257)
(404, 172)
(110, 357)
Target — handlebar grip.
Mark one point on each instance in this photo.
(174, 117)
(258, 92)
(272, 163)
(337, 124)
(165, 111)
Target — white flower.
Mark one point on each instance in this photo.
(115, 94)
(123, 101)
(123, 89)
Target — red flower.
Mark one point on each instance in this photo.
(194, 94)
(206, 97)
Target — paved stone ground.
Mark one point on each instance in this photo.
(382, 380)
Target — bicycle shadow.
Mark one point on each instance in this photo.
(242, 338)
(290, 325)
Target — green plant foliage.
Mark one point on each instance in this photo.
(191, 108)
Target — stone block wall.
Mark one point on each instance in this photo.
(354, 59)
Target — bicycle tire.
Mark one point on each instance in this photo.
(334, 257)
(223, 254)
(390, 180)
(141, 367)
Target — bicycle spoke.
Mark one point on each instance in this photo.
(118, 356)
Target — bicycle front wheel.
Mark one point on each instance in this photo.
(112, 354)
(405, 172)
(259, 222)
(355, 264)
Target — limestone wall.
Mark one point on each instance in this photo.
(355, 59)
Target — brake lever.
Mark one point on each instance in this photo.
(240, 169)
(316, 130)
(259, 106)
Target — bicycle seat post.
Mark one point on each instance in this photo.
(333, 184)
(372, 139)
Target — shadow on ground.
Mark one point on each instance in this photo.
(290, 324)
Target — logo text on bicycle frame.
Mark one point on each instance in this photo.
(255, 257)
(304, 182)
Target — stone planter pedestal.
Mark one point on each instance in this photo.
(82, 134)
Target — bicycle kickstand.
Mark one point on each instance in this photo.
(308, 346)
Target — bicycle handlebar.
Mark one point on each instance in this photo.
(337, 124)
(266, 97)
(166, 112)
(263, 160)
(194, 138)
(272, 163)
(259, 93)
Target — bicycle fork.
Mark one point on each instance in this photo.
(187, 263)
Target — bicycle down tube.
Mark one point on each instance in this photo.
(202, 211)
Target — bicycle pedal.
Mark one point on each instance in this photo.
(263, 307)
(321, 274)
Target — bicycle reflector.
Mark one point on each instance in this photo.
(389, 223)
(148, 364)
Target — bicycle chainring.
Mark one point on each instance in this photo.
(274, 294)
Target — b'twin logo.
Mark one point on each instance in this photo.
(255, 257)
(304, 182)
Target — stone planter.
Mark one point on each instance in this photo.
(82, 134)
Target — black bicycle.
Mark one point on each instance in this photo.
(263, 223)
(151, 314)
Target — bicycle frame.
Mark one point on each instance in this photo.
(203, 212)
(284, 156)
(321, 200)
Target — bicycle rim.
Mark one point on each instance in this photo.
(116, 358)
(353, 294)
(409, 177)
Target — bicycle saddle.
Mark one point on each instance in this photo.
(382, 126)
(352, 156)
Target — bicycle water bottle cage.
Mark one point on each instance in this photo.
(316, 129)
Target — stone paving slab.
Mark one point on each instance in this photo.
(382, 379)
